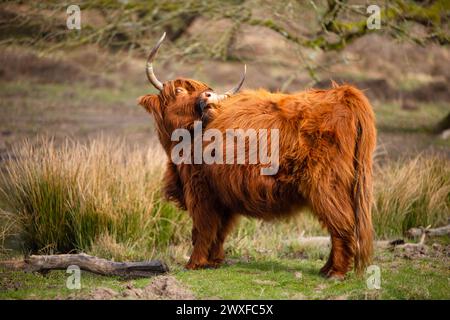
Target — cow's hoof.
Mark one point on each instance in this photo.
(324, 271)
(197, 266)
(216, 263)
(334, 275)
(194, 266)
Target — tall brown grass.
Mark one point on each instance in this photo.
(7, 228)
(411, 193)
(104, 198)
(71, 197)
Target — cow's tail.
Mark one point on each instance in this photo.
(365, 140)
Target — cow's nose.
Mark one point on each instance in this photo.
(206, 95)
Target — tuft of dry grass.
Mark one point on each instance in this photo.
(104, 198)
(411, 193)
(7, 228)
(70, 197)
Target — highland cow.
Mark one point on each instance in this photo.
(326, 143)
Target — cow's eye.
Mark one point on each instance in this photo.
(180, 90)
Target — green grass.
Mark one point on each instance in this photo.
(392, 118)
(54, 103)
(29, 109)
(287, 278)
(427, 279)
(77, 93)
(265, 279)
(280, 279)
(21, 285)
(259, 278)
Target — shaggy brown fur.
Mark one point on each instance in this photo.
(327, 138)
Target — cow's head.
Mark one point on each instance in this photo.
(179, 102)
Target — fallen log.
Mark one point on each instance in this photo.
(417, 232)
(421, 232)
(400, 243)
(45, 263)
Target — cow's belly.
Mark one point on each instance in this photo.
(243, 190)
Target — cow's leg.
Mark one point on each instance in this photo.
(340, 259)
(336, 213)
(203, 235)
(324, 270)
(206, 218)
(341, 255)
(335, 257)
(216, 252)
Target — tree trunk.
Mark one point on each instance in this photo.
(44, 263)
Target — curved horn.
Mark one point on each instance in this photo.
(218, 97)
(238, 87)
(149, 70)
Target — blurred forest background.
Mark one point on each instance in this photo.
(88, 177)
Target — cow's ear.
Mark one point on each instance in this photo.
(150, 102)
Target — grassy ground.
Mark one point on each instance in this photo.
(391, 117)
(257, 278)
(298, 279)
(80, 111)
(20, 285)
